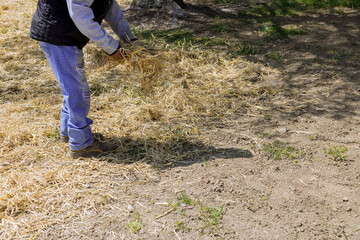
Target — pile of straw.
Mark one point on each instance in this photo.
(149, 94)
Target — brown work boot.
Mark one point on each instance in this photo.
(64, 139)
(98, 137)
(96, 149)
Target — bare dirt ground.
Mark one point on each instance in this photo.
(265, 172)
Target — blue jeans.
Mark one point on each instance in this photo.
(67, 64)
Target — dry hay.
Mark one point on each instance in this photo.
(182, 84)
(154, 105)
(163, 100)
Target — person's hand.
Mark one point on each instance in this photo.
(120, 55)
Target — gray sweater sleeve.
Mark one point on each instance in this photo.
(83, 16)
(115, 18)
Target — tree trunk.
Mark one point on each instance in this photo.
(173, 7)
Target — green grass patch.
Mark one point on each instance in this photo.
(244, 48)
(273, 31)
(136, 225)
(173, 36)
(339, 55)
(186, 38)
(221, 27)
(208, 42)
(245, 17)
(291, 31)
(184, 200)
(211, 216)
(279, 150)
(265, 135)
(179, 225)
(53, 134)
(337, 153)
(276, 8)
(273, 55)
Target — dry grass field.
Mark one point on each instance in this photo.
(238, 124)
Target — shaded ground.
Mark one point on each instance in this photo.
(307, 196)
(266, 172)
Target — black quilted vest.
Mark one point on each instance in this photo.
(52, 23)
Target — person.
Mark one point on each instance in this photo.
(62, 28)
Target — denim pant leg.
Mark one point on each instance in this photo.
(64, 119)
(67, 63)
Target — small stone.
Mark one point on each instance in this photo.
(349, 209)
(281, 130)
(297, 225)
(345, 199)
(130, 208)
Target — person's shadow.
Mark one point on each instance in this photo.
(171, 153)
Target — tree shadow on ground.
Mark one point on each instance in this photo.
(320, 68)
(171, 153)
(317, 51)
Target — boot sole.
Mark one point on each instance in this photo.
(85, 154)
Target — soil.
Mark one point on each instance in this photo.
(238, 188)
(314, 197)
